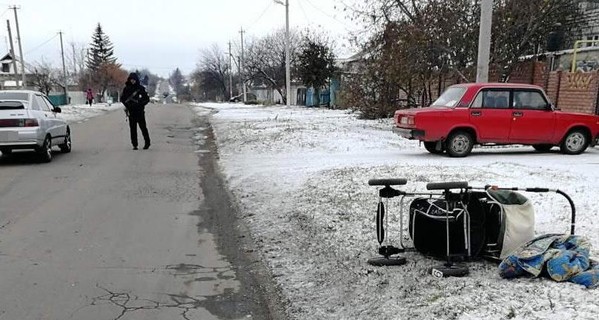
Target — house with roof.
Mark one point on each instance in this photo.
(9, 79)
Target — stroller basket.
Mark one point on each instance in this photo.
(491, 224)
(432, 218)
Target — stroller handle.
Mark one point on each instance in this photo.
(388, 182)
(446, 185)
(541, 190)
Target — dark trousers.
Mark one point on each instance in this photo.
(138, 119)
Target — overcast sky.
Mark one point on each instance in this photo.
(163, 34)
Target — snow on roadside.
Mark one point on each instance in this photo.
(81, 112)
(300, 178)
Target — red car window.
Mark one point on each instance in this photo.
(492, 99)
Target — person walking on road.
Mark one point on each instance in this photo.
(135, 98)
(89, 96)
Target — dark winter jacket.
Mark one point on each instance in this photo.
(134, 96)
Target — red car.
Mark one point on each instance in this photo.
(496, 113)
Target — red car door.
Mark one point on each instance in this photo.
(533, 120)
(490, 115)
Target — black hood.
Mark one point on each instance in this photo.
(134, 76)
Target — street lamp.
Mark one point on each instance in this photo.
(287, 63)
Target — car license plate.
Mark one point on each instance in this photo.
(8, 136)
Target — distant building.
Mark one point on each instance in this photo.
(590, 31)
(7, 73)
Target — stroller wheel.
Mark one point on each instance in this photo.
(391, 261)
(449, 270)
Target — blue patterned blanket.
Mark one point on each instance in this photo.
(559, 257)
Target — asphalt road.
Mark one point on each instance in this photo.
(107, 232)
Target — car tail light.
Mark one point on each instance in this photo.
(407, 120)
(13, 123)
(30, 123)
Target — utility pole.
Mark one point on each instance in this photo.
(242, 63)
(230, 72)
(287, 53)
(20, 46)
(64, 71)
(74, 59)
(239, 73)
(12, 53)
(287, 58)
(484, 41)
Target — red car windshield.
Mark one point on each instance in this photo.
(450, 97)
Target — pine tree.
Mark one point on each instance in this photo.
(101, 50)
(177, 80)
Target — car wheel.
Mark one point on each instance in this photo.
(6, 151)
(431, 146)
(459, 144)
(542, 147)
(66, 146)
(45, 151)
(575, 142)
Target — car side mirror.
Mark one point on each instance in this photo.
(57, 110)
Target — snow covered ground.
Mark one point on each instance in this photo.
(82, 112)
(300, 177)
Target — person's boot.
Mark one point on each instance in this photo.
(146, 146)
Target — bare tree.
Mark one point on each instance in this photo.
(521, 28)
(45, 76)
(414, 48)
(75, 56)
(265, 60)
(212, 73)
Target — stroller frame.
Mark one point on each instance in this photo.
(457, 203)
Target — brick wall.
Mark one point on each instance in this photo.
(553, 86)
(572, 92)
(577, 91)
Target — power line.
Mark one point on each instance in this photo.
(146, 66)
(41, 45)
(253, 24)
(326, 13)
(304, 12)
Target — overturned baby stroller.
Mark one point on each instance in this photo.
(458, 223)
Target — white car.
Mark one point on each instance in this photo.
(28, 120)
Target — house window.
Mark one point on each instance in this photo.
(6, 67)
(592, 38)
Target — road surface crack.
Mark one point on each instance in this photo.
(124, 301)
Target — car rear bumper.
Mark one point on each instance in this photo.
(20, 138)
(409, 133)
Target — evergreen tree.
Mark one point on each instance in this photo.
(177, 81)
(101, 50)
(316, 65)
(103, 72)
